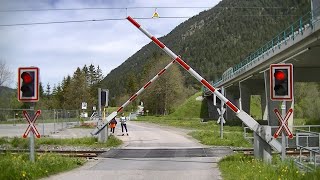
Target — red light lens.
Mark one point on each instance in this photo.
(280, 75)
(26, 77)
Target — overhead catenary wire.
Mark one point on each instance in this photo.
(127, 8)
(86, 20)
(120, 19)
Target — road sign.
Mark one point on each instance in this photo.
(281, 82)
(283, 123)
(31, 125)
(28, 84)
(104, 97)
(84, 105)
(221, 113)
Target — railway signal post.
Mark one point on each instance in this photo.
(281, 89)
(28, 92)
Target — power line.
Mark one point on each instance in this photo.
(118, 19)
(127, 8)
(86, 20)
(101, 8)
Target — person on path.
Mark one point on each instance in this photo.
(112, 125)
(123, 121)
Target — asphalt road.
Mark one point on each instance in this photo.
(152, 152)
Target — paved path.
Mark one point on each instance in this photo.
(128, 162)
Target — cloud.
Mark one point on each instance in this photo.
(58, 49)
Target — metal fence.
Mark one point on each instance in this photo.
(291, 143)
(49, 122)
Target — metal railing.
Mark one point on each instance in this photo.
(305, 141)
(304, 22)
(49, 122)
(297, 132)
(312, 156)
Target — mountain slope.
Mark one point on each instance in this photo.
(212, 41)
(5, 96)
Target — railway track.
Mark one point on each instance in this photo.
(96, 153)
(68, 153)
(290, 151)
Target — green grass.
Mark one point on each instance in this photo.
(207, 133)
(18, 166)
(191, 108)
(188, 116)
(22, 143)
(255, 107)
(213, 138)
(239, 166)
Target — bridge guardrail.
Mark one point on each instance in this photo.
(304, 22)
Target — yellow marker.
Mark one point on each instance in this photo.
(155, 14)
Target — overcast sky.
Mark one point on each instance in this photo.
(58, 49)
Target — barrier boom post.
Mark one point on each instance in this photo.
(242, 115)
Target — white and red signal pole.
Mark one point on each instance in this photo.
(247, 119)
(281, 89)
(28, 92)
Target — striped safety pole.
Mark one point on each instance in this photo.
(184, 65)
(245, 118)
(132, 98)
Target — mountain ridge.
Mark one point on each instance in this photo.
(211, 41)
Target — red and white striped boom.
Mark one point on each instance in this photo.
(132, 98)
(247, 119)
(185, 65)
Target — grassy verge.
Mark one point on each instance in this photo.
(22, 143)
(207, 133)
(191, 108)
(213, 138)
(239, 166)
(18, 166)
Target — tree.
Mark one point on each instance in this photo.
(5, 73)
(41, 90)
(77, 92)
(168, 91)
(48, 90)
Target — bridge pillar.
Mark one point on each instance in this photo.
(212, 110)
(264, 106)
(272, 118)
(245, 97)
(232, 94)
(315, 5)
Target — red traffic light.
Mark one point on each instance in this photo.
(280, 75)
(281, 82)
(27, 78)
(28, 84)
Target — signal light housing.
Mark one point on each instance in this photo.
(281, 82)
(28, 84)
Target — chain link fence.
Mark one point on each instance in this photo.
(48, 123)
